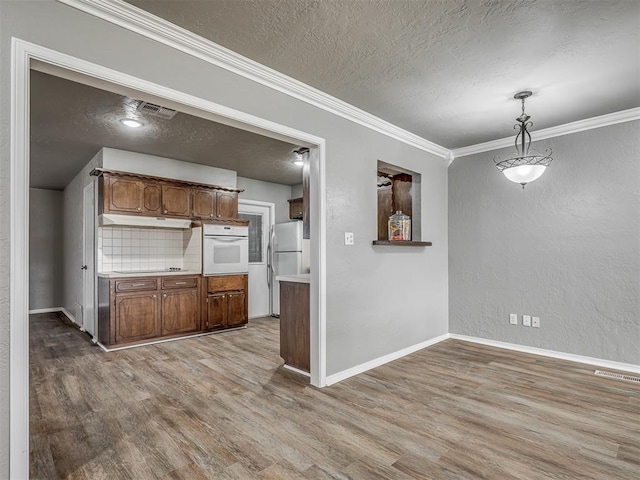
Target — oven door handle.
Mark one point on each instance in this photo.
(227, 239)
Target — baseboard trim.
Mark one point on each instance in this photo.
(54, 310)
(45, 310)
(376, 362)
(297, 370)
(598, 362)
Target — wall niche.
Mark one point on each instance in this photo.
(398, 189)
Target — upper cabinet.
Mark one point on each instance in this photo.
(133, 194)
(204, 203)
(296, 209)
(176, 201)
(215, 204)
(130, 195)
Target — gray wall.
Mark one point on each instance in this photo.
(45, 248)
(267, 192)
(566, 248)
(368, 315)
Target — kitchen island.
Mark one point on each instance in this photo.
(294, 322)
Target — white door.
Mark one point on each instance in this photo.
(261, 217)
(88, 261)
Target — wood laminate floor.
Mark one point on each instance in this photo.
(222, 407)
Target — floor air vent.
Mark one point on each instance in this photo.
(618, 376)
(157, 110)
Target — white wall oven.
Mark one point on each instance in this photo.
(225, 249)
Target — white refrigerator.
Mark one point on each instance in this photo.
(286, 257)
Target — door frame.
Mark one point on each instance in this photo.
(89, 289)
(23, 54)
(272, 221)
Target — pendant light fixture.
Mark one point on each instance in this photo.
(527, 165)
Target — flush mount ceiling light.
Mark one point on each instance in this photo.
(527, 165)
(298, 159)
(131, 123)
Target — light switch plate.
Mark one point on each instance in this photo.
(513, 318)
(348, 238)
(526, 320)
(535, 322)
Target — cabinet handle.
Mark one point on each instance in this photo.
(164, 211)
(138, 209)
(154, 296)
(138, 284)
(181, 283)
(164, 296)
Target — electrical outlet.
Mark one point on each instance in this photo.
(513, 318)
(526, 320)
(535, 322)
(348, 238)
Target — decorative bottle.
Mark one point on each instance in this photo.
(399, 226)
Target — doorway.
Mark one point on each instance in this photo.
(261, 217)
(24, 55)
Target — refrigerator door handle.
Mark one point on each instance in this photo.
(269, 264)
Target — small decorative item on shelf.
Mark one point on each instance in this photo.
(399, 227)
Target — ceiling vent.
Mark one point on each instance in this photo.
(157, 110)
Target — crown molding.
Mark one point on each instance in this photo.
(558, 131)
(144, 23)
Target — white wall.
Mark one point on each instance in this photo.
(125, 161)
(566, 248)
(45, 248)
(379, 300)
(267, 192)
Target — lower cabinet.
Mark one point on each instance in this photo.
(180, 312)
(226, 301)
(136, 309)
(137, 316)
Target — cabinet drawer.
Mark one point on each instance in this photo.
(226, 283)
(190, 282)
(136, 285)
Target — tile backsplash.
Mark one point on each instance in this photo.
(122, 249)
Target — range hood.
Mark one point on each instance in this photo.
(111, 220)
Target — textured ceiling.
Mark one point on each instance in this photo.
(444, 70)
(70, 122)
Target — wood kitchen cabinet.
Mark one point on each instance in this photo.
(134, 194)
(180, 305)
(226, 204)
(133, 310)
(296, 208)
(136, 316)
(226, 303)
(130, 196)
(295, 325)
(176, 201)
(204, 203)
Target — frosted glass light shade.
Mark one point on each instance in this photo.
(524, 173)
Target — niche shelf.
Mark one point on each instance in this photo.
(401, 243)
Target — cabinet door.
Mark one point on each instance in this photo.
(216, 310)
(226, 204)
(137, 317)
(176, 201)
(237, 314)
(124, 194)
(152, 199)
(296, 209)
(180, 312)
(204, 203)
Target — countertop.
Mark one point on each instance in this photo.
(161, 273)
(296, 278)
